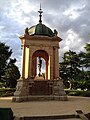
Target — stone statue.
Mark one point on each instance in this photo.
(26, 31)
(39, 65)
(55, 32)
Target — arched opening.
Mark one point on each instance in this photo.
(40, 60)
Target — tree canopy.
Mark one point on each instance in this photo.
(9, 72)
(5, 53)
(75, 69)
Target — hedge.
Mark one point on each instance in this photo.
(78, 93)
(4, 92)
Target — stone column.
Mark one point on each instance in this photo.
(54, 59)
(23, 60)
(49, 71)
(56, 63)
(46, 70)
(34, 67)
(26, 61)
(51, 64)
(30, 62)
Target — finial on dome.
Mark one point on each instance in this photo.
(40, 11)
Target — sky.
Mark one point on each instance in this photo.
(71, 18)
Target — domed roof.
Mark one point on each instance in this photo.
(40, 29)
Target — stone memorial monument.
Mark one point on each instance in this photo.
(39, 43)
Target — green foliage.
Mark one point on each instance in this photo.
(71, 64)
(5, 53)
(9, 72)
(69, 68)
(78, 93)
(87, 56)
(4, 92)
(75, 69)
(83, 80)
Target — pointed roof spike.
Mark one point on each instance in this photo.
(40, 14)
(40, 7)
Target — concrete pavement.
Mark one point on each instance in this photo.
(40, 108)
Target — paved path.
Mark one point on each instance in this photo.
(37, 108)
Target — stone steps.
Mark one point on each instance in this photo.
(58, 117)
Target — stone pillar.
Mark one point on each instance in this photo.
(23, 60)
(46, 70)
(49, 68)
(56, 63)
(34, 68)
(26, 61)
(30, 62)
(54, 59)
(51, 65)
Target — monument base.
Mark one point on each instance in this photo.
(39, 98)
(31, 90)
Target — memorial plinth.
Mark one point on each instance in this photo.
(28, 90)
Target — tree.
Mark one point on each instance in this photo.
(69, 68)
(9, 72)
(87, 56)
(5, 53)
(86, 65)
(76, 68)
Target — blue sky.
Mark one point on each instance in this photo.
(71, 18)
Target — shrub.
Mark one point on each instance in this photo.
(6, 92)
(78, 93)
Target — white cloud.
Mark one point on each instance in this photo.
(71, 13)
(19, 11)
(66, 48)
(70, 18)
(74, 11)
(72, 38)
(1, 27)
(72, 41)
(83, 25)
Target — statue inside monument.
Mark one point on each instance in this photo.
(39, 66)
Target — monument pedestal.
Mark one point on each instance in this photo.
(29, 90)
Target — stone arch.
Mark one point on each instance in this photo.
(43, 54)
